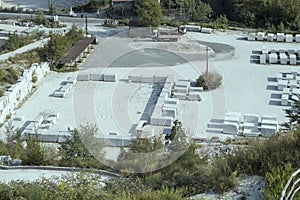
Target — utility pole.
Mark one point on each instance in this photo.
(86, 26)
(182, 10)
(206, 61)
(50, 7)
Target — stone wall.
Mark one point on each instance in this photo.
(17, 92)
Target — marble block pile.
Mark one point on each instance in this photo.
(39, 125)
(250, 125)
(281, 56)
(147, 79)
(289, 85)
(65, 87)
(271, 37)
(166, 108)
(97, 77)
(184, 91)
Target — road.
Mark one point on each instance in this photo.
(64, 19)
(23, 49)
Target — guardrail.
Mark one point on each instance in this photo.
(292, 189)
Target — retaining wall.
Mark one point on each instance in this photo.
(17, 92)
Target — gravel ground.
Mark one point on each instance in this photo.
(248, 188)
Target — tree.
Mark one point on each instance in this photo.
(74, 34)
(59, 44)
(176, 128)
(142, 156)
(146, 155)
(33, 154)
(149, 12)
(40, 17)
(221, 21)
(55, 48)
(145, 145)
(293, 115)
(13, 141)
(81, 148)
(202, 11)
(3, 148)
(268, 13)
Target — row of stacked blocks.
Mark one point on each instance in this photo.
(39, 124)
(250, 125)
(184, 91)
(97, 77)
(39, 127)
(167, 106)
(281, 56)
(271, 37)
(289, 85)
(65, 87)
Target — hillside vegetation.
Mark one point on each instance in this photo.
(275, 159)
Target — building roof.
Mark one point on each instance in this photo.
(76, 50)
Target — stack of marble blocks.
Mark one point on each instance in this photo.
(288, 84)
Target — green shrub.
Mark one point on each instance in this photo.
(260, 157)
(221, 22)
(34, 79)
(209, 80)
(8, 116)
(9, 75)
(163, 194)
(3, 149)
(276, 180)
(65, 69)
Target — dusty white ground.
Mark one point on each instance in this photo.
(116, 107)
(245, 85)
(28, 175)
(41, 102)
(248, 187)
(7, 176)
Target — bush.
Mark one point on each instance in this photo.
(33, 154)
(34, 79)
(163, 194)
(276, 180)
(26, 58)
(260, 157)
(3, 149)
(65, 69)
(221, 22)
(8, 116)
(209, 80)
(9, 75)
